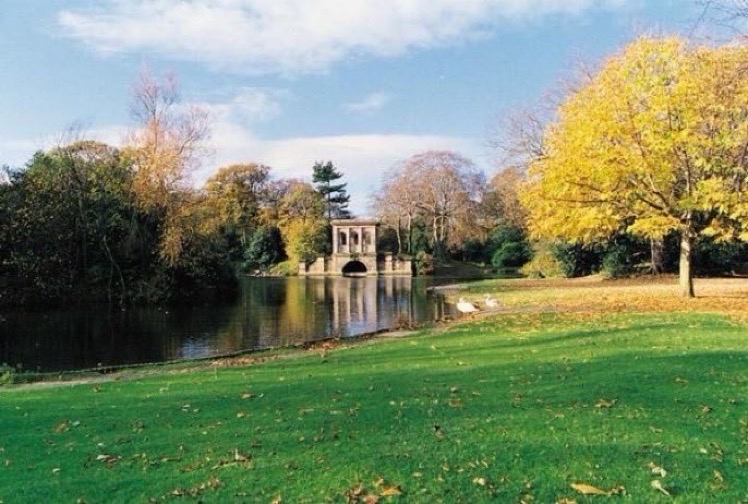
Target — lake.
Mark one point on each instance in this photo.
(267, 313)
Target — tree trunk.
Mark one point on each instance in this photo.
(399, 237)
(656, 247)
(686, 273)
(410, 234)
(435, 231)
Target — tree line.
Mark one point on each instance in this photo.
(86, 220)
(640, 163)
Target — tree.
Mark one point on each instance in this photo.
(265, 248)
(656, 142)
(302, 221)
(66, 222)
(396, 203)
(726, 12)
(169, 142)
(517, 139)
(501, 201)
(237, 193)
(336, 198)
(448, 185)
(436, 189)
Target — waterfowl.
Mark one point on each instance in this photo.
(490, 301)
(464, 306)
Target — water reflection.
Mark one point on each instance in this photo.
(268, 312)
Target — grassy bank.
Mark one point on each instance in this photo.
(514, 407)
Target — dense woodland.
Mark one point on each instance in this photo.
(639, 166)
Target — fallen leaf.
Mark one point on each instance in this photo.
(602, 403)
(109, 460)
(586, 489)
(618, 490)
(389, 491)
(480, 481)
(355, 492)
(718, 476)
(62, 427)
(240, 457)
(657, 485)
(657, 470)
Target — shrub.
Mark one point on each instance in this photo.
(387, 241)
(544, 263)
(285, 268)
(473, 250)
(511, 255)
(507, 247)
(622, 254)
(265, 248)
(424, 264)
(7, 375)
(576, 259)
(719, 258)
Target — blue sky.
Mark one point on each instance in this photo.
(363, 83)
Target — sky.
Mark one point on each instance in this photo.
(362, 83)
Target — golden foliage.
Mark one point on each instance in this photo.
(655, 141)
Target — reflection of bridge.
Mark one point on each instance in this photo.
(354, 253)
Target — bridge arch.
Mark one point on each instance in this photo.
(354, 268)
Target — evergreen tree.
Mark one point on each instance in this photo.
(336, 198)
(264, 249)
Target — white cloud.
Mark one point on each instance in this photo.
(363, 159)
(248, 105)
(370, 103)
(296, 36)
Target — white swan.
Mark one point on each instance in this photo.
(490, 302)
(464, 306)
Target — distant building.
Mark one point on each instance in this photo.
(354, 253)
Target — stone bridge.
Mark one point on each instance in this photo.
(354, 253)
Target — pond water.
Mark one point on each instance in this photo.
(268, 312)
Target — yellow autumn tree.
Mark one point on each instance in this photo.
(655, 142)
(302, 221)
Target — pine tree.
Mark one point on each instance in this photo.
(335, 195)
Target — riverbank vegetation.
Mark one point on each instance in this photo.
(575, 388)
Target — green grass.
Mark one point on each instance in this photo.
(507, 409)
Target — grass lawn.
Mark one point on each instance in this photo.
(594, 384)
